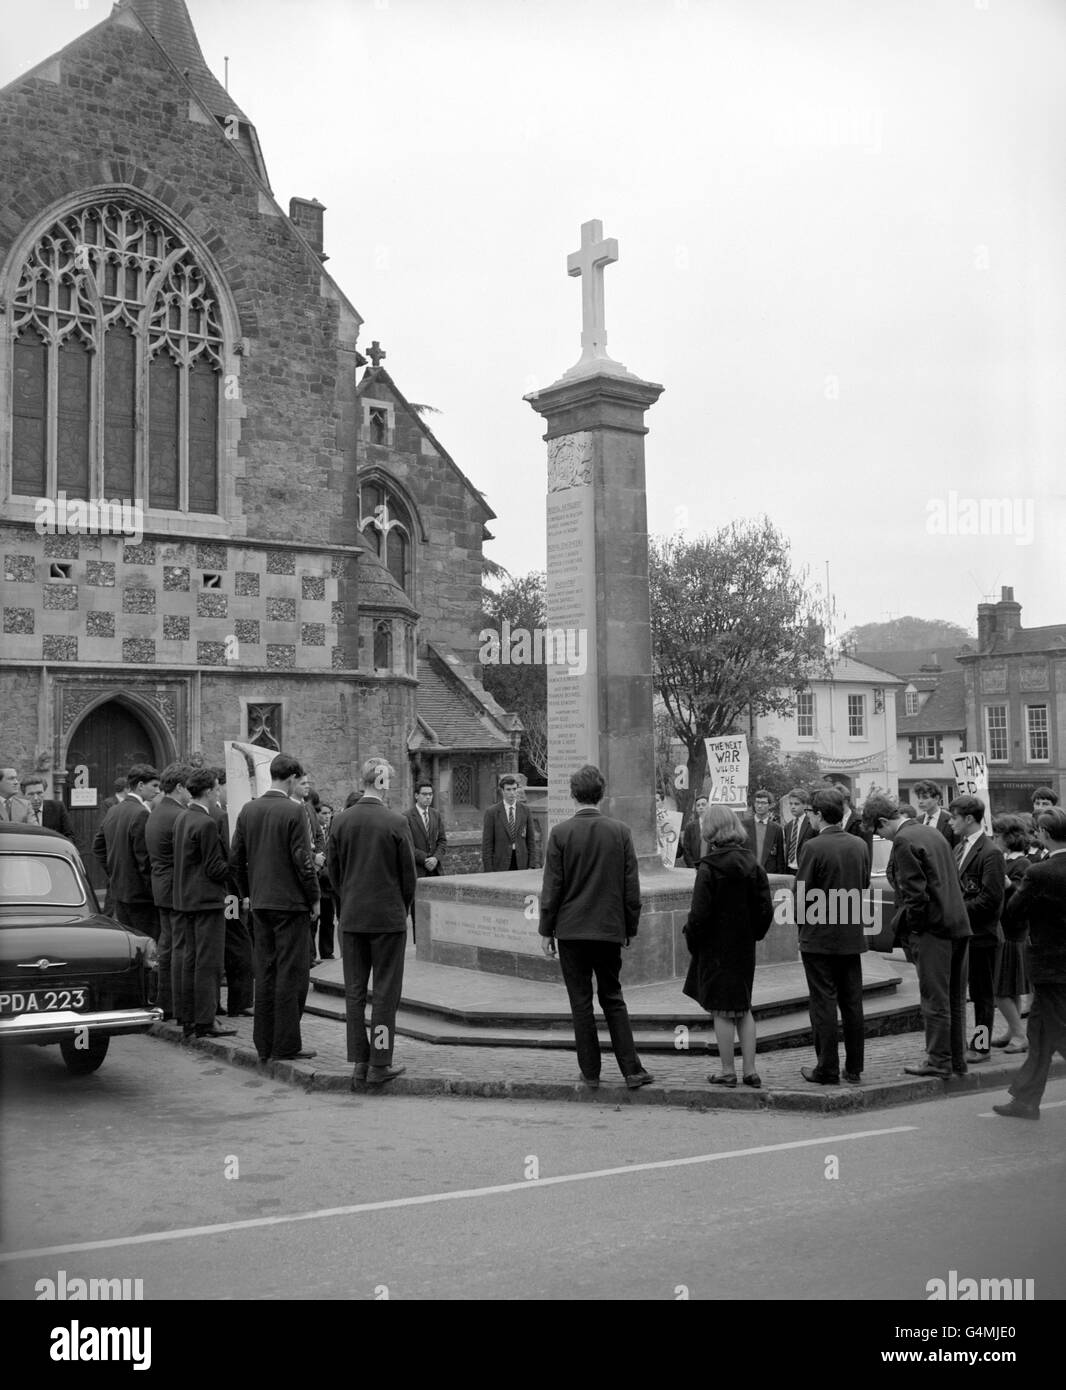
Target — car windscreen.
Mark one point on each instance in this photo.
(39, 880)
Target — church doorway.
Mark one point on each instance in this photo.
(110, 740)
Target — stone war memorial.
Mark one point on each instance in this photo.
(597, 586)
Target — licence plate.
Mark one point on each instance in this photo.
(43, 1001)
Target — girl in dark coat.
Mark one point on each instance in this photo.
(732, 908)
(1012, 976)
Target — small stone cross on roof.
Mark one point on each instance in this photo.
(376, 352)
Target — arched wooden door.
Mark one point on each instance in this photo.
(109, 741)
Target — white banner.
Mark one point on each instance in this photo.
(971, 778)
(727, 762)
(668, 828)
(247, 776)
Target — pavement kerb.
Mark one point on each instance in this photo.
(831, 1100)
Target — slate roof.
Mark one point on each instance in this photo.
(847, 668)
(944, 712)
(377, 588)
(170, 24)
(1025, 640)
(455, 711)
(909, 662)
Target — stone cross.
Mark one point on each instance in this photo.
(376, 353)
(589, 263)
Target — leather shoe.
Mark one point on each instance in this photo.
(638, 1079)
(377, 1076)
(1014, 1110)
(853, 1078)
(813, 1075)
(303, 1056)
(973, 1056)
(1021, 1045)
(725, 1078)
(590, 1083)
(359, 1072)
(1001, 1042)
(242, 1013)
(754, 1080)
(927, 1069)
(216, 1032)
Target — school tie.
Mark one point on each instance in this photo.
(792, 831)
(510, 822)
(960, 852)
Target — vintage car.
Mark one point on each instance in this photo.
(68, 974)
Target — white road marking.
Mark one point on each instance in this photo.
(1045, 1105)
(190, 1232)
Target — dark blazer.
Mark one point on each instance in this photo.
(54, 817)
(773, 845)
(838, 863)
(1039, 904)
(200, 868)
(943, 824)
(372, 867)
(732, 908)
(271, 855)
(591, 887)
(496, 842)
(983, 876)
(853, 825)
(925, 880)
(806, 830)
(159, 837)
(692, 843)
(120, 850)
(427, 847)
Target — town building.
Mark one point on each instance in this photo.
(291, 557)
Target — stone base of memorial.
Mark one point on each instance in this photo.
(489, 922)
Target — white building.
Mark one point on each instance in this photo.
(848, 721)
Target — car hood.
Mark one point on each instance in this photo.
(88, 945)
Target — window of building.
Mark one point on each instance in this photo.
(264, 726)
(925, 748)
(462, 785)
(379, 425)
(910, 702)
(856, 716)
(805, 714)
(1036, 734)
(386, 523)
(383, 646)
(112, 311)
(997, 745)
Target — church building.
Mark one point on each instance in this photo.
(219, 518)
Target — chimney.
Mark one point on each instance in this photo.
(306, 213)
(1008, 614)
(986, 626)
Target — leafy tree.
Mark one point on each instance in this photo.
(522, 689)
(905, 634)
(733, 631)
(777, 774)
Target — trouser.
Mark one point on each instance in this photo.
(941, 965)
(380, 954)
(580, 960)
(984, 955)
(282, 973)
(205, 936)
(166, 994)
(833, 980)
(238, 964)
(177, 966)
(1047, 1035)
(327, 912)
(142, 917)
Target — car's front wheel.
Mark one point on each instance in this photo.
(82, 1060)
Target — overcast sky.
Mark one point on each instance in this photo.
(841, 231)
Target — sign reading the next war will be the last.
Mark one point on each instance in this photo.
(727, 762)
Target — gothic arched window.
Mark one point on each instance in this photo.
(383, 646)
(118, 357)
(386, 524)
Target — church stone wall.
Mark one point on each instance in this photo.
(59, 135)
(19, 699)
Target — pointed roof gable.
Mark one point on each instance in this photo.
(171, 26)
(378, 378)
(455, 711)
